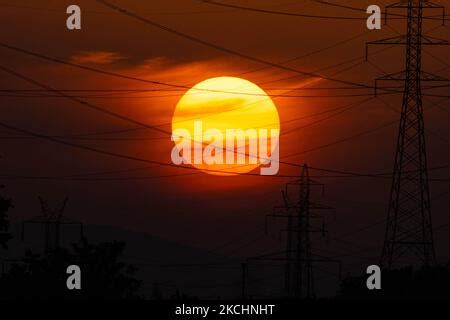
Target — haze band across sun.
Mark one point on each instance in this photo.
(226, 126)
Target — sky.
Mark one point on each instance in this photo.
(318, 127)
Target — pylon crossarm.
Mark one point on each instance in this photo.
(425, 5)
(317, 206)
(404, 5)
(401, 76)
(37, 219)
(67, 221)
(280, 216)
(312, 182)
(269, 255)
(401, 39)
(321, 258)
(427, 76)
(61, 209)
(429, 40)
(280, 210)
(309, 230)
(44, 206)
(396, 76)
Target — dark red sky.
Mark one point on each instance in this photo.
(200, 209)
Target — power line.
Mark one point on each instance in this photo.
(151, 12)
(282, 13)
(303, 15)
(95, 150)
(78, 101)
(58, 92)
(126, 130)
(220, 48)
(82, 102)
(177, 95)
(338, 238)
(114, 154)
(87, 135)
(365, 11)
(127, 77)
(91, 70)
(181, 87)
(342, 140)
(47, 88)
(334, 45)
(168, 13)
(349, 107)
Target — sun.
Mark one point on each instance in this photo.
(213, 108)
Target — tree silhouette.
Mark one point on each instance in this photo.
(103, 275)
(5, 236)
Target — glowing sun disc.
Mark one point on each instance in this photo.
(225, 103)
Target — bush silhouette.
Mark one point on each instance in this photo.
(103, 275)
(5, 236)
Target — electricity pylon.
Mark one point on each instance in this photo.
(52, 219)
(409, 235)
(299, 257)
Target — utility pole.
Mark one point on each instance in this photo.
(408, 235)
(52, 219)
(299, 273)
(299, 257)
(244, 280)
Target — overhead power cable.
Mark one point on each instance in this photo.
(221, 48)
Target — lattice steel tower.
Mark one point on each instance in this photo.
(300, 212)
(409, 235)
(52, 220)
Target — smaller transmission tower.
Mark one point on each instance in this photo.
(299, 257)
(52, 219)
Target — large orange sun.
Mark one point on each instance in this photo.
(221, 104)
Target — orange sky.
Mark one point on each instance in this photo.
(110, 41)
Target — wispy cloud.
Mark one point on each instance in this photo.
(96, 57)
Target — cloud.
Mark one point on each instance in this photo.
(96, 57)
